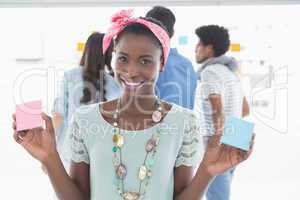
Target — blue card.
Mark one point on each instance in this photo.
(237, 133)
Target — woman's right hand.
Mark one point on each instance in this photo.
(38, 142)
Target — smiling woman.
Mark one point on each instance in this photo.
(142, 65)
(107, 161)
(257, 33)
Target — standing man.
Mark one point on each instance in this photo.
(219, 93)
(177, 83)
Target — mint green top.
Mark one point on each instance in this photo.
(90, 141)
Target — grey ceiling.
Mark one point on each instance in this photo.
(62, 3)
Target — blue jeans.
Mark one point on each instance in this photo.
(219, 189)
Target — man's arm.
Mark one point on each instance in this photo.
(246, 109)
(217, 108)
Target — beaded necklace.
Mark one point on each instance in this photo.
(145, 170)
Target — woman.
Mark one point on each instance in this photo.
(137, 146)
(90, 83)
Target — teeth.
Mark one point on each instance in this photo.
(132, 84)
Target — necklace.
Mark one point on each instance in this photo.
(145, 170)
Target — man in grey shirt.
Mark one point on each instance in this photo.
(219, 93)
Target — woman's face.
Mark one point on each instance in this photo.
(137, 63)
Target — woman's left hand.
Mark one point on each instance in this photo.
(219, 158)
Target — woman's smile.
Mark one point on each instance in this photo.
(130, 84)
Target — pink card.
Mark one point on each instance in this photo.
(28, 115)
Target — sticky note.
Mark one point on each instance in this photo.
(80, 46)
(237, 133)
(235, 47)
(183, 40)
(28, 115)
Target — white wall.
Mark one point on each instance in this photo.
(52, 34)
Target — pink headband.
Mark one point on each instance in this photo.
(123, 18)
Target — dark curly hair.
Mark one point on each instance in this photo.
(165, 16)
(214, 35)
